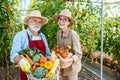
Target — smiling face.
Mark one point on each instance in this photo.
(35, 21)
(34, 24)
(63, 22)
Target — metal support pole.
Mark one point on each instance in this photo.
(102, 29)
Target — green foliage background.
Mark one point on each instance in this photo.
(8, 27)
(87, 18)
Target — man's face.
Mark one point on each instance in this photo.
(34, 24)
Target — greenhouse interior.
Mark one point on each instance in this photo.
(97, 25)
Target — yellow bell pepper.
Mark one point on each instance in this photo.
(48, 65)
(52, 71)
(49, 74)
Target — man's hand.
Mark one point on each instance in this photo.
(25, 65)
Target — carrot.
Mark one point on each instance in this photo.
(22, 56)
(33, 68)
(37, 64)
(30, 60)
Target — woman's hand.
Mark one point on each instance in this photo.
(70, 60)
(66, 60)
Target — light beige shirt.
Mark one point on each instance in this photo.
(70, 37)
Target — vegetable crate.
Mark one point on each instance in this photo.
(55, 76)
(42, 68)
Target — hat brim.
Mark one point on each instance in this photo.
(44, 19)
(56, 17)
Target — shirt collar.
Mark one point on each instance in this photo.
(66, 33)
(29, 32)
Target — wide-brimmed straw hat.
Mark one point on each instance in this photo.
(33, 14)
(65, 13)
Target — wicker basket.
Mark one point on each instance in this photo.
(56, 75)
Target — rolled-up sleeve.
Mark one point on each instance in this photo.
(76, 47)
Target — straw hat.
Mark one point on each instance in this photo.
(35, 13)
(65, 13)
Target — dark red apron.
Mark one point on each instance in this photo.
(39, 44)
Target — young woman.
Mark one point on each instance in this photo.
(67, 36)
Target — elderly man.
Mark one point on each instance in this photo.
(29, 38)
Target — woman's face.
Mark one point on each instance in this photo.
(63, 22)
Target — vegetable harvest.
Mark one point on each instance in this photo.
(40, 72)
(48, 65)
(41, 66)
